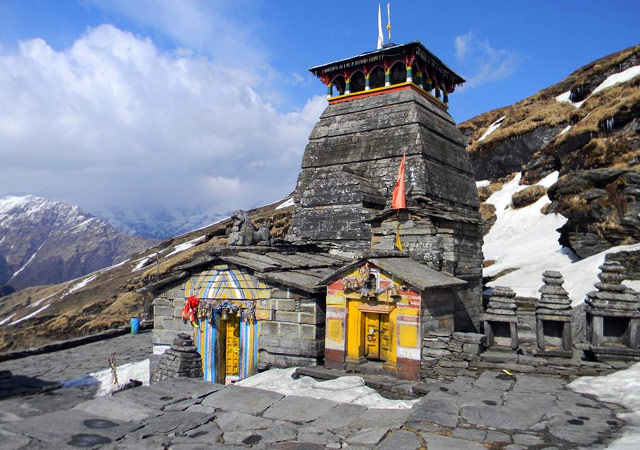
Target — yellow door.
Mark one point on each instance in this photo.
(385, 337)
(232, 349)
(377, 336)
(372, 335)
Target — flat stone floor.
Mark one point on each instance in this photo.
(491, 410)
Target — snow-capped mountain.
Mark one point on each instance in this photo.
(158, 223)
(46, 242)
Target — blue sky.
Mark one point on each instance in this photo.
(217, 94)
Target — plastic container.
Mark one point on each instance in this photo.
(135, 325)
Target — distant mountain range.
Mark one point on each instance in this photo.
(158, 223)
(48, 242)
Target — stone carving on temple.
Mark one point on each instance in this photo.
(245, 233)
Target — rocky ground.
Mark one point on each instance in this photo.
(488, 410)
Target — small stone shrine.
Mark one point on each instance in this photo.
(181, 360)
(553, 317)
(501, 320)
(613, 316)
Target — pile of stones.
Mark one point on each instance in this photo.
(554, 300)
(554, 306)
(613, 303)
(612, 295)
(181, 360)
(501, 309)
(502, 306)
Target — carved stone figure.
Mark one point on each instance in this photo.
(263, 236)
(245, 233)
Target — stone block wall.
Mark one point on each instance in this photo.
(167, 316)
(291, 329)
(447, 355)
(437, 312)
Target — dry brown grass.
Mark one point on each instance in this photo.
(542, 107)
(528, 195)
(485, 192)
(487, 211)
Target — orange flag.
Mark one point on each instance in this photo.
(398, 201)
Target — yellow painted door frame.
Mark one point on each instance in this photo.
(232, 346)
(361, 317)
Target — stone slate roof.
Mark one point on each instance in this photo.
(299, 270)
(294, 268)
(416, 274)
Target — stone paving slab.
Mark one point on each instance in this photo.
(438, 442)
(242, 399)
(121, 409)
(387, 418)
(152, 396)
(340, 416)
(187, 387)
(65, 427)
(296, 409)
(401, 439)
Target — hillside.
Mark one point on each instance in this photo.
(587, 128)
(108, 297)
(48, 242)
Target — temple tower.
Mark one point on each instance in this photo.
(383, 104)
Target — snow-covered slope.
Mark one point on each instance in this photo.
(523, 243)
(46, 242)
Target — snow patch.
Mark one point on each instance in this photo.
(103, 379)
(141, 264)
(493, 127)
(483, 183)
(185, 246)
(81, 284)
(288, 202)
(30, 259)
(617, 78)
(351, 389)
(43, 299)
(10, 202)
(566, 97)
(564, 130)
(6, 319)
(29, 316)
(623, 388)
(611, 80)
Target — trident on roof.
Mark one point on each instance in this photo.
(380, 34)
(389, 21)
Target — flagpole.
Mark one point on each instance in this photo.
(380, 34)
(389, 21)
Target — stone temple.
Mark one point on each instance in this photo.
(358, 283)
(389, 103)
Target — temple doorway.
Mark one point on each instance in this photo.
(231, 349)
(377, 336)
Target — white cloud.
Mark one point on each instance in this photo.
(481, 63)
(223, 29)
(114, 121)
